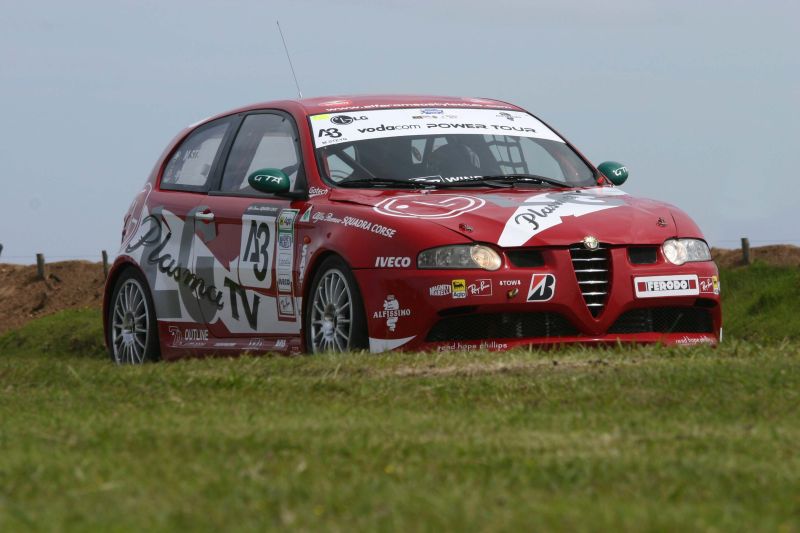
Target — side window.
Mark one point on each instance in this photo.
(189, 168)
(265, 140)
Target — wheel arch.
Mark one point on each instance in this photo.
(311, 271)
(121, 264)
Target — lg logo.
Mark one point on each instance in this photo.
(344, 120)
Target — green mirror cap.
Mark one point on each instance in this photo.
(269, 180)
(617, 173)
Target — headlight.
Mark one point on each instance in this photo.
(460, 256)
(680, 251)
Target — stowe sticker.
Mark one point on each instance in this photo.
(544, 211)
(660, 286)
(333, 128)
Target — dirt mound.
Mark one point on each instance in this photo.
(69, 284)
(778, 255)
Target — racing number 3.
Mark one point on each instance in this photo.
(258, 241)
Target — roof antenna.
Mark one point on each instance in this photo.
(299, 94)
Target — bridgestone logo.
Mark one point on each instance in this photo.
(661, 286)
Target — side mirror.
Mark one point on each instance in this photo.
(616, 172)
(269, 180)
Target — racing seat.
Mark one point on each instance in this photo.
(454, 159)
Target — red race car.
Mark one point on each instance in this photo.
(397, 222)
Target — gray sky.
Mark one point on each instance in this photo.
(700, 99)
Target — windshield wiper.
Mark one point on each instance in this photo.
(525, 178)
(498, 181)
(380, 182)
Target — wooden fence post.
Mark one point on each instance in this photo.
(40, 274)
(745, 250)
(105, 263)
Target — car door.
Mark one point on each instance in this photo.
(253, 253)
(174, 221)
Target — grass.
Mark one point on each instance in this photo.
(646, 438)
(762, 302)
(629, 439)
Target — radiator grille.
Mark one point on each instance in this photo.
(592, 270)
(664, 320)
(501, 326)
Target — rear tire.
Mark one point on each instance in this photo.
(132, 326)
(334, 316)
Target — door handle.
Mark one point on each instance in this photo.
(206, 216)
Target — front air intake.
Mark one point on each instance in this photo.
(592, 270)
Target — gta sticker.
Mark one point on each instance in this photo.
(429, 206)
(543, 287)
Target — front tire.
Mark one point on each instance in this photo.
(132, 327)
(334, 316)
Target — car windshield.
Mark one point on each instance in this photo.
(430, 146)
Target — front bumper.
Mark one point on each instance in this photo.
(439, 310)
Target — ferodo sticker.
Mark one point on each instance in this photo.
(661, 286)
(336, 128)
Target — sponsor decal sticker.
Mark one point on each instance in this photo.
(285, 305)
(392, 262)
(306, 216)
(465, 119)
(443, 289)
(544, 211)
(285, 264)
(353, 222)
(510, 282)
(188, 337)
(709, 285)
(429, 206)
(472, 346)
(301, 268)
(686, 340)
(662, 286)
(481, 287)
(316, 191)
(543, 288)
(391, 312)
(458, 288)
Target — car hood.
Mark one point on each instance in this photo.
(532, 217)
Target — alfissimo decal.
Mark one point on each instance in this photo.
(391, 312)
(544, 211)
(661, 286)
(328, 129)
(429, 206)
(543, 288)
